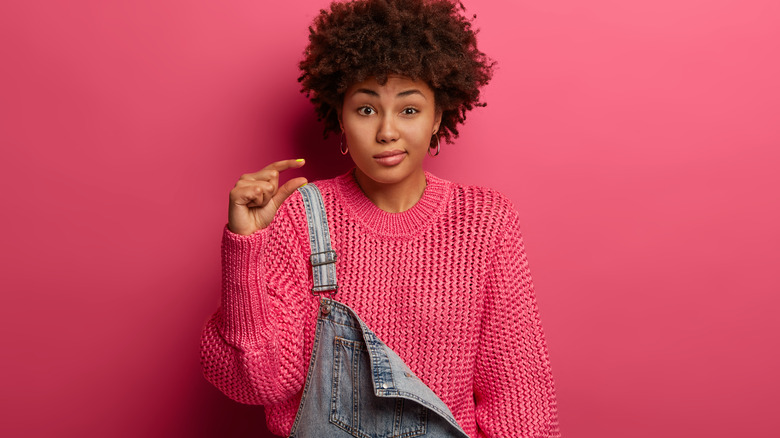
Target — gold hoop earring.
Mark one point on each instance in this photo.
(438, 147)
(344, 150)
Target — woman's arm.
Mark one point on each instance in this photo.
(252, 347)
(514, 390)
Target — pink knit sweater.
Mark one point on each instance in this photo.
(445, 284)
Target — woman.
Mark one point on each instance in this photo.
(436, 269)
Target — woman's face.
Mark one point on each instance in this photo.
(388, 128)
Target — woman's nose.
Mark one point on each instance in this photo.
(387, 131)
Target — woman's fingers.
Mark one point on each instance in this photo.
(280, 166)
(255, 193)
(257, 196)
(259, 187)
(250, 191)
(288, 189)
(269, 174)
(283, 165)
(263, 175)
(275, 168)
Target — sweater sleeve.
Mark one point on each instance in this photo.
(514, 390)
(252, 347)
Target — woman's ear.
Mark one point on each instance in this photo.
(436, 121)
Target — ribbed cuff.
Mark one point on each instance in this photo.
(243, 304)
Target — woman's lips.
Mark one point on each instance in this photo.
(390, 158)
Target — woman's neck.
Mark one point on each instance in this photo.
(392, 197)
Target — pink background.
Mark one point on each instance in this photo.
(638, 139)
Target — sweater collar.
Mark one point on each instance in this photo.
(405, 223)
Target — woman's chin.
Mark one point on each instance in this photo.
(392, 175)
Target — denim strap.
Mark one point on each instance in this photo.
(323, 258)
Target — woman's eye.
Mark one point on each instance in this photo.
(410, 111)
(365, 111)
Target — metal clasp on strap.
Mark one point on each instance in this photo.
(322, 272)
(323, 258)
(332, 288)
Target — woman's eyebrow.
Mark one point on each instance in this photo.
(366, 91)
(401, 94)
(409, 92)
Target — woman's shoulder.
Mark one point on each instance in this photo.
(483, 201)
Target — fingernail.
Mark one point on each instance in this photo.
(299, 160)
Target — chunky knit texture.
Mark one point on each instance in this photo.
(445, 284)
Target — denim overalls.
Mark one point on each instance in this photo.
(356, 385)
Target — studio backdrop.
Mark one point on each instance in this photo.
(638, 140)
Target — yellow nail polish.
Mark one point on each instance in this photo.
(299, 159)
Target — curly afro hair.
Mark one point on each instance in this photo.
(428, 40)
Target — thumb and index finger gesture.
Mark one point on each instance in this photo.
(257, 196)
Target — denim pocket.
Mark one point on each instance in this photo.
(354, 406)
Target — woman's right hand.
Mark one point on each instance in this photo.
(257, 196)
